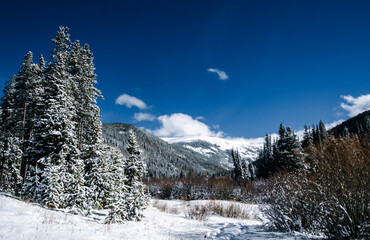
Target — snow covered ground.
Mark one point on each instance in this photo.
(20, 220)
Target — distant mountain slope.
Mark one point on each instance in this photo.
(162, 159)
(218, 150)
(355, 125)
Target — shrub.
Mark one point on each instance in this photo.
(230, 210)
(198, 212)
(331, 197)
(163, 207)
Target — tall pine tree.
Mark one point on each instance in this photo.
(137, 198)
(10, 146)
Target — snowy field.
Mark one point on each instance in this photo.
(20, 220)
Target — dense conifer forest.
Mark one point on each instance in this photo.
(51, 143)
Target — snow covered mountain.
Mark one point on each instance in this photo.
(162, 159)
(173, 157)
(218, 150)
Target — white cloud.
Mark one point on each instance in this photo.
(144, 117)
(357, 105)
(329, 126)
(182, 125)
(221, 74)
(130, 101)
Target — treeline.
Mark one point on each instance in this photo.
(193, 187)
(51, 148)
(285, 152)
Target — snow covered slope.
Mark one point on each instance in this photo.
(172, 157)
(162, 159)
(20, 220)
(218, 150)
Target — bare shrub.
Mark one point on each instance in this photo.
(198, 212)
(173, 210)
(221, 188)
(163, 207)
(230, 210)
(48, 218)
(331, 197)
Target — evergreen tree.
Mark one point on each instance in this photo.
(317, 137)
(87, 112)
(51, 188)
(245, 170)
(27, 93)
(322, 131)
(51, 134)
(10, 168)
(88, 124)
(76, 193)
(54, 137)
(252, 171)
(97, 178)
(117, 196)
(288, 152)
(10, 147)
(267, 147)
(238, 169)
(137, 199)
(307, 137)
(267, 159)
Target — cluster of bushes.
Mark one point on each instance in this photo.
(330, 196)
(194, 187)
(203, 210)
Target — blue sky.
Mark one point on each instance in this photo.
(206, 67)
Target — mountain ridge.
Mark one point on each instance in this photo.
(177, 157)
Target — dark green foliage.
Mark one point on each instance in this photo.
(307, 136)
(359, 124)
(238, 169)
(286, 153)
(322, 131)
(243, 170)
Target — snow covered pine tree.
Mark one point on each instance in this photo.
(51, 146)
(137, 198)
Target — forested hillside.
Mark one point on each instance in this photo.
(162, 159)
(359, 124)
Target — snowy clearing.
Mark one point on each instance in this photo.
(20, 220)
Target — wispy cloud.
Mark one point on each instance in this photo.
(144, 117)
(355, 105)
(221, 74)
(183, 125)
(130, 101)
(329, 126)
